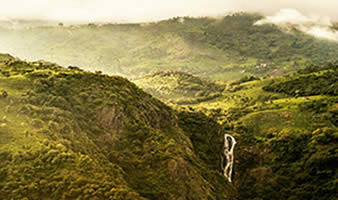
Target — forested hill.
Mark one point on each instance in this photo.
(225, 48)
(66, 133)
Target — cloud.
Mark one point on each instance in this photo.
(5, 19)
(322, 32)
(315, 25)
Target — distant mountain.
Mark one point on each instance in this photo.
(221, 49)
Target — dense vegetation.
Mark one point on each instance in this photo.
(67, 133)
(287, 141)
(72, 134)
(286, 129)
(238, 33)
(223, 49)
(324, 82)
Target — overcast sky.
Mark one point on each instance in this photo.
(150, 10)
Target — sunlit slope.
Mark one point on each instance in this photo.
(72, 134)
(286, 129)
(225, 49)
(179, 87)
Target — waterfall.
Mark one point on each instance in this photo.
(228, 154)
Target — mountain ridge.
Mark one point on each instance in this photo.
(233, 45)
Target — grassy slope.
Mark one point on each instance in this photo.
(70, 134)
(286, 128)
(222, 49)
(287, 141)
(178, 87)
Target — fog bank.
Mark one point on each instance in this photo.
(318, 26)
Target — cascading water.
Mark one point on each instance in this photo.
(228, 154)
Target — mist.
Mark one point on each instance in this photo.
(315, 25)
(152, 10)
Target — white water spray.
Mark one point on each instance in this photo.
(228, 153)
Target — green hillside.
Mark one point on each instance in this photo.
(78, 132)
(71, 134)
(227, 48)
(286, 129)
(178, 87)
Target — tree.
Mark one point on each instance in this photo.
(4, 94)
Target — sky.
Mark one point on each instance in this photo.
(153, 10)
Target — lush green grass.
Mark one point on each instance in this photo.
(179, 87)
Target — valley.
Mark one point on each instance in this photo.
(141, 111)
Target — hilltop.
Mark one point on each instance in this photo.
(227, 48)
(179, 87)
